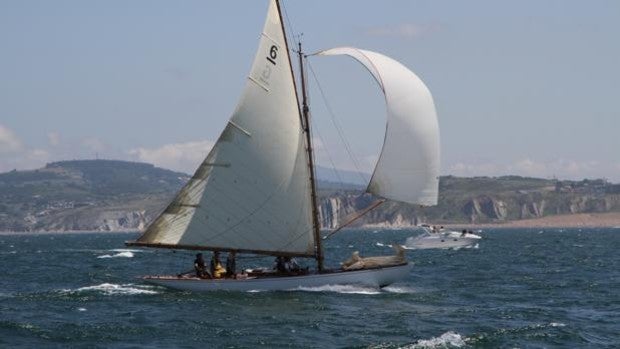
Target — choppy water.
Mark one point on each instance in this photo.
(520, 289)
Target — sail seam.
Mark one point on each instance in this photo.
(239, 128)
(258, 83)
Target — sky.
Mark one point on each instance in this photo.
(521, 87)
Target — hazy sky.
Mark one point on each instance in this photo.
(521, 87)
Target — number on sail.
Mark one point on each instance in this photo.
(273, 53)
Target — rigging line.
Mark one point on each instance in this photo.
(337, 125)
(330, 215)
(325, 149)
(358, 215)
(329, 156)
(290, 28)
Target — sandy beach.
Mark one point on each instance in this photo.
(594, 220)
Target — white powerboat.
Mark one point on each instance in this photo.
(442, 239)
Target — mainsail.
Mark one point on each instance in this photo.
(408, 167)
(252, 192)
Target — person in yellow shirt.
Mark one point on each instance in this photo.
(217, 270)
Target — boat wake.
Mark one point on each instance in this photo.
(449, 339)
(344, 289)
(126, 254)
(121, 252)
(476, 246)
(400, 289)
(114, 289)
(353, 289)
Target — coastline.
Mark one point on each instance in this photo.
(51, 232)
(577, 220)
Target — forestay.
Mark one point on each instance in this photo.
(408, 167)
(252, 192)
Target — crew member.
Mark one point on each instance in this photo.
(200, 267)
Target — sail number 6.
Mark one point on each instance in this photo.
(273, 53)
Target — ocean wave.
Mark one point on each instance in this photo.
(345, 289)
(114, 289)
(126, 250)
(126, 254)
(523, 330)
(449, 339)
(400, 289)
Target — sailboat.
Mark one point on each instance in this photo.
(255, 192)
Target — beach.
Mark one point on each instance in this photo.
(578, 220)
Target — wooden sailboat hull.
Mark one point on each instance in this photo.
(376, 277)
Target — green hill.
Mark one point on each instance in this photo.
(120, 195)
(83, 194)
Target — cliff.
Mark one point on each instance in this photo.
(106, 195)
(86, 195)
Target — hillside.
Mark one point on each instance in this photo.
(85, 195)
(107, 195)
(481, 200)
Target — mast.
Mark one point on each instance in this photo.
(306, 125)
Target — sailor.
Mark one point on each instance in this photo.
(200, 267)
(231, 265)
(290, 265)
(217, 270)
(280, 264)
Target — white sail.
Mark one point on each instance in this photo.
(408, 167)
(252, 192)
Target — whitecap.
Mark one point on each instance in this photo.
(114, 289)
(557, 324)
(379, 244)
(126, 250)
(345, 289)
(399, 289)
(125, 254)
(81, 309)
(448, 339)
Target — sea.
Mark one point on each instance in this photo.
(518, 288)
